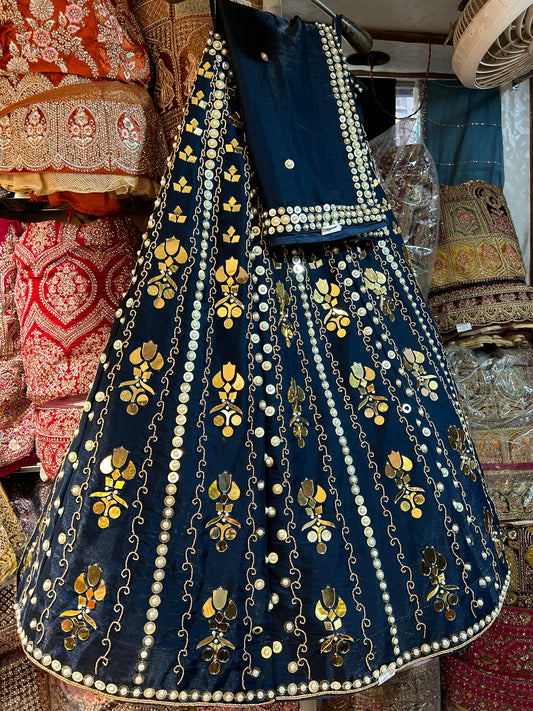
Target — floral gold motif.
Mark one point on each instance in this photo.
(145, 360)
(231, 175)
(117, 469)
(230, 276)
(232, 205)
(426, 383)
(398, 467)
(457, 439)
(375, 406)
(286, 327)
(170, 253)
(182, 186)
(330, 610)
(224, 490)
(299, 424)
(376, 282)
(327, 295)
(312, 497)
(177, 215)
(433, 566)
(229, 383)
(78, 622)
(219, 611)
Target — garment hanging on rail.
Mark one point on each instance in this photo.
(272, 493)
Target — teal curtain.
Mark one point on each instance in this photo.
(463, 132)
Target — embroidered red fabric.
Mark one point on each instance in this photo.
(95, 39)
(53, 431)
(70, 280)
(16, 411)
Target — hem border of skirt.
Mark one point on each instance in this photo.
(272, 696)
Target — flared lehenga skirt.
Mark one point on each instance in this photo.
(272, 493)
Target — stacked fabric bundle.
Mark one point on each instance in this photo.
(76, 122)
(70, 280)
(496, 389)
(16, 410)
(479, 292)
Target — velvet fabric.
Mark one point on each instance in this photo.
(272, 494)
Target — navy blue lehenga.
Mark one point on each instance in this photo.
(272, 493)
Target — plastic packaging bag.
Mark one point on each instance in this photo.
(409, 178)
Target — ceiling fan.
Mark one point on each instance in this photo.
(493, 42)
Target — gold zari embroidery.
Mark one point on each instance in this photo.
(145, 360)
(224, 490)
(163, 287)
(425, 382)
(118, 469)
(433, 565)
(286, 327)
(230, 276)
(374, 405)
(397, 468)
(327, 295)
(457, 439)
(90, 591)
(312, 497)
(330, 610)
(229, 383)
(219, 611)
(298, 423)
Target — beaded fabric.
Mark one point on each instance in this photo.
(272, 494)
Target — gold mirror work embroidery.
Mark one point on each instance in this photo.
(433, 566)
(457, 439)
(220, 612)
(230, 276)
(299, 424)
(286, 327)
(145, 360)
(327, 295)
(224, 490)
(376, 282)
(398, 467)
(229, 383)
(330, 610)
(163, 287)
(118, 469)
(312, 497)
(79, 622)
(426, 383)
(374, 405)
